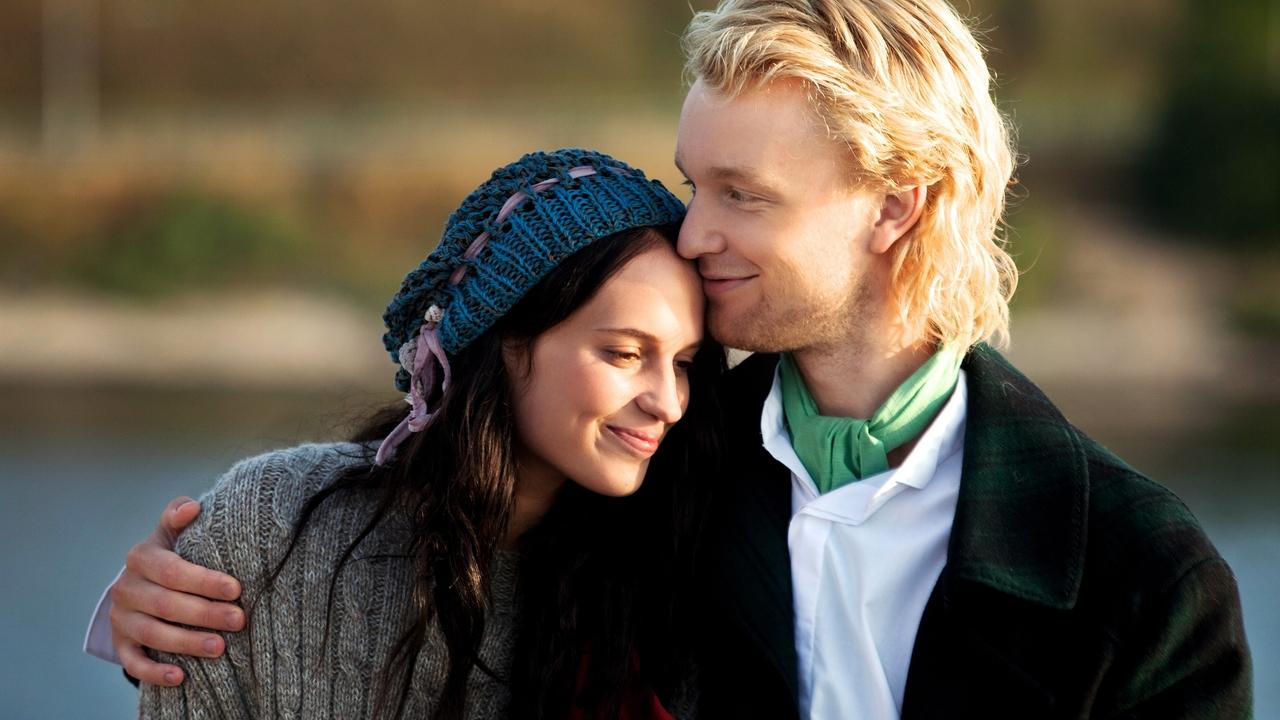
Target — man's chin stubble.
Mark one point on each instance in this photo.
(763, 335)
(770, 330)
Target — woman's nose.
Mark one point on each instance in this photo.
(664, 397)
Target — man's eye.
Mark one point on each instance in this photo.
(623, 356)
(737, 195)
(684, 365)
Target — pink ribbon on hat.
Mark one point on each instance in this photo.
(422, 357)
(504, 212)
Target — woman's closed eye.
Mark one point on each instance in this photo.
(622, 356)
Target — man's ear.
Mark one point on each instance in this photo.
(899, 212)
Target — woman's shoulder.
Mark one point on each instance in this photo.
(274, 487)
(248, 518)
(313, 465)
(309, 459)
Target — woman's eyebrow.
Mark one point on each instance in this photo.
(641, 335)
(629, 332)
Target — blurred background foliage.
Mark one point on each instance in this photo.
(1211, 165)
(150, 148)
(145, 144)
(188, 242)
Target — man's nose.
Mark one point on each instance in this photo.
(697, 237)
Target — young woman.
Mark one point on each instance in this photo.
(517, 544)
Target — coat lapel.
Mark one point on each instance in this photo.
(1020, 516)
(959, 669)
(1016, 554)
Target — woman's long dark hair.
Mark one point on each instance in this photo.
(602, 580)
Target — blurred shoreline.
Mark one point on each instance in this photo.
(1134, 345)
(286, 341)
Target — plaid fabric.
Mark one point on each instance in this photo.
(1075, 587)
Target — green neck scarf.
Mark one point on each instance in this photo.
(837, 450)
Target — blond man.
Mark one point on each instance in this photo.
(907, 527)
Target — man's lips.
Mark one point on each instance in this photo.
(719, 285)
(643, 443)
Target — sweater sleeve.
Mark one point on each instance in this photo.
(243, 529)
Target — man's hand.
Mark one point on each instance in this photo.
(158, 589)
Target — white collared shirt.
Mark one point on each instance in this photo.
(864, 560)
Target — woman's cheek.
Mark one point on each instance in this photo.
(599, 386)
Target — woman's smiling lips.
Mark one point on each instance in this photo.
(642, 443)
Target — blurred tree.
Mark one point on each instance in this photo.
(69, 77)
(21, 34)
(1211, 167)
(189, 242)
(193, 56)
(382, 51)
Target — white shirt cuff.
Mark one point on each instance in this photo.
(97, 639)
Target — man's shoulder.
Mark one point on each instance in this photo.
(1134, 527)
(1154, 581)
(1138, 527)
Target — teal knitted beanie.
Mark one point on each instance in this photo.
(509, 233)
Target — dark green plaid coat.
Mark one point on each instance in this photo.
(1074, 587)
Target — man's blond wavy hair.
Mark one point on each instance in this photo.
(903, 84)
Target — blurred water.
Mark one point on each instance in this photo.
(83, 477)
(67, 514)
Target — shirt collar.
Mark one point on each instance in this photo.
(855, 502)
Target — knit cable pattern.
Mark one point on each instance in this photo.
(282, 665)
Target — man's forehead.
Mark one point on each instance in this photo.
(747, 135)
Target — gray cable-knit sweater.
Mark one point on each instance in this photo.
(281, 666)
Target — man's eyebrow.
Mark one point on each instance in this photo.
(748, 175)
(742, 174)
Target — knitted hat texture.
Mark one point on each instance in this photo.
(551, 224)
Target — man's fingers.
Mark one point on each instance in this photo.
(134, 627)
(137, 664)
(151, 599)
(167, 569)
(178, 514)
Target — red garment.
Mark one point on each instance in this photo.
(637, 705)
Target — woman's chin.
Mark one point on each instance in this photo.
(619, 482)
